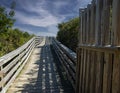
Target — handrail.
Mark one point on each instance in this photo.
(12, 63)
(67, 58)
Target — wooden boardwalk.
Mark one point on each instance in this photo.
(40, 75)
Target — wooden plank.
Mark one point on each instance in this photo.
(116, 22)
(65, 62)
(78, 70)
(84, 72)
(16, 74)
(88, 25)
(14, 53)
(80, 37)
(10, 65)
(108, 69)
(106, 23)
(81, 71)
(92, 73)
(101, 49)
(116, 74)
(99, 4)
(84, 25)
(99, 72)
(87, 72)
(110, 72)
(92, 22)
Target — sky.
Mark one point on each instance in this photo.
(41, 17)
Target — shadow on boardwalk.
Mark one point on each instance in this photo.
(50, 77)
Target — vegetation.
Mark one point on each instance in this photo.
(10, 39)
(68, 33)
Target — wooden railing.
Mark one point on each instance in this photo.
(98, 54)
(67, 58)
(12, 63)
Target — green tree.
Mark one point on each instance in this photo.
(6, 18)
(68, 33)
(10, 39)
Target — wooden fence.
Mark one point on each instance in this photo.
(12, 63)
(98, 54)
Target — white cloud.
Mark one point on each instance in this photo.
(44, 17)
(37, 21)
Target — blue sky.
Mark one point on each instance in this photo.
(42, 16)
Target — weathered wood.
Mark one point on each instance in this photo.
(78, 70)
(93, 70)
(92, 22)
(116, 22)
(87, 71)
(105, 35)
(84, 25)
(99, 7)
(67, 59)
(84, 71)
(99, 72)
(100, 48)
(81, 27)
(13, 62)
(81, 70)
(88, 25)
(116, 74)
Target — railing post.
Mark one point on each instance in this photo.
(92, 72)
(87, 72)
(116, 22)
(99, 6)
(81, 27)
(92, 22)
(99, 72)
(81, 70)
(105, 29)
(116, 73)
(78, 70)
(88, 25)
(84, 25)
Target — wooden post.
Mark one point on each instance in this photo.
(81, 70)
(107, 78)
(105, 36)
(116, 22)
(87, 72)
(92, 22)
(93, 72)
(81, 27)
(78, 70)
(84, 71)
(99, 4)
(116, 73)
(88, 25)
(84, 25)
(99, 72)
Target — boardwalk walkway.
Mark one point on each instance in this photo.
(41, 74)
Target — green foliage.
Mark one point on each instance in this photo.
(68, 33)
(10, 39)
(6, 18)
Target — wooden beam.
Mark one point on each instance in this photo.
(116, 22)
(99, 6)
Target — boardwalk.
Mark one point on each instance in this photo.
(41, 74)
